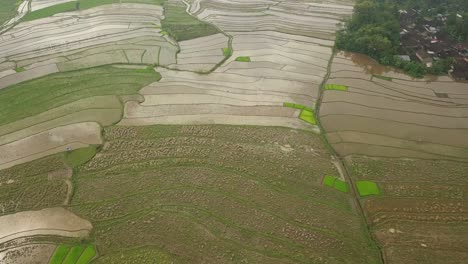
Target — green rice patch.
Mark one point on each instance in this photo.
(329, 181)
(227, 52)
(73, 255)
(298, 106)
(367, 188)
(308, 116)
(80, 156)
(20, 69)
(243, 59)
(333, 182)
(341, 186)
(336, 87)
(87, 255)
(59, 254)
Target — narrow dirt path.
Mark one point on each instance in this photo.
(339, 163)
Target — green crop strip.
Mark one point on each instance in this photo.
(366, 188)
(307, 114)
(336, 87)
(34, 97)
(227, 52)
(243, 59)
(20, 69)
(336, 183)
(59, 254)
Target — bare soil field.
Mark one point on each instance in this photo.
(222, 194)
(49, 221)
(52, 141)
(394, 116)
(421, 214)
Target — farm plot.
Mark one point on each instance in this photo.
(282, 66)
(41, 4)
(224, 193)
(32, 109)
(394, 116)
(49, 221)
(49, 142)
(30, 253)
(35, 185)
(421, 214)
(217, 98)
(126, 33)
(201, 54)
(307, 18)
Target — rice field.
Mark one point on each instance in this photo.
(398, 117)
(214, 131)
(420, 214)
(227, 193)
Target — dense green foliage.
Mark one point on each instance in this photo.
(33, 97)
(182, 26)
(83, 4)
(337, 87)
(374, 30)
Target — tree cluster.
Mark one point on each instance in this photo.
(374, 30)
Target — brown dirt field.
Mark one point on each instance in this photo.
(225, 193)
(49, 221)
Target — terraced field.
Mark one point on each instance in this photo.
(394, 116)
(126, 33)
(123, 139)
(421, 214)
(288, 52)
(217, 194)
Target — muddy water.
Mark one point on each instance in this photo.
(371, 66)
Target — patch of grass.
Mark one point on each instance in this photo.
(336, 87)
(150, 69)
(36, 96)
(227, 52)
(243, 59)
(59, 254)
(182, 26)
(341, 186)
(329, 181)
(73, 255)
(80, 156)
(298, 106)
(8, 10)
(333, 182)
(84, 4)
(367, 188)
(308, 116)
(88, 254)
(20, 69)
(383, 77)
